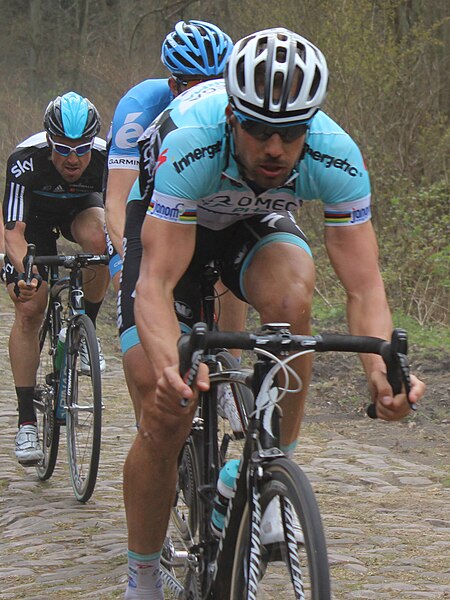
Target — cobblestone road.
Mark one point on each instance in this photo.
(385, 507)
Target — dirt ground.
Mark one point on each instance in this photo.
(383, 489)
(339, 383)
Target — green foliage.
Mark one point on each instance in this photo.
(389, 87)
(415, 253)
(429, 337)
(432, 336)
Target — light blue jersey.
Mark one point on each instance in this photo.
(133, 114)
(189, 174)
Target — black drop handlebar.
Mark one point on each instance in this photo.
(279, 341)
(81, 259)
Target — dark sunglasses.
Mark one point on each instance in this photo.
(262, 131)
(187, 83)
(65, 150)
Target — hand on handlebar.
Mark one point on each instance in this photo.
(26, 291)
(390, 407)
(171, 389)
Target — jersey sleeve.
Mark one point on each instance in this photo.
(127, 126)
(182, 173)
(333, 171)
(17, 192)
(134, 113)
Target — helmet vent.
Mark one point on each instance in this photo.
(297, 82)
(301, 51)
(241, 74)
(315, 84)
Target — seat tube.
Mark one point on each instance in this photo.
(76, 291)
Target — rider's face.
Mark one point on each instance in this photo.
(269, 162)
(71, 167)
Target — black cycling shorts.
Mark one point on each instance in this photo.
(231, 249)
(43, 228)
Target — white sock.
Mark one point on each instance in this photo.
(289, 450)
(144, 579)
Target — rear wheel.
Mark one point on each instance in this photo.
(45, 395)
(84, 408)
(231, 431)
(285, 567)
(178, 569)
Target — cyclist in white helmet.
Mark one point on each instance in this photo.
(223, 169)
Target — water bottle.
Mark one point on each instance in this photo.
(60, 348)
(225, 491)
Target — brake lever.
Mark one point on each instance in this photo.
(28, 262)
(397, 369)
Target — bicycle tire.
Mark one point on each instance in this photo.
(84, 408)
(177, 572)
(45, 398)
(292, 570)
(243, 396)
(186, 509)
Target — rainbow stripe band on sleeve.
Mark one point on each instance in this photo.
(189, 216)
(335, 217)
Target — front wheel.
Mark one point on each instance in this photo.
(45, 397)
(84, 407)
(293, 562)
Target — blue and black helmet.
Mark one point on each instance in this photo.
(72, 116)
(196, 48)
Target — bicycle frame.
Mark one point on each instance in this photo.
(261, 445)
(75, 400)
(57, 284)
(262, 440)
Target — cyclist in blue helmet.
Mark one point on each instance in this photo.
(53, 187)
(196, 48)
(193, 52)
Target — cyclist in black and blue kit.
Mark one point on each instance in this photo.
(195, 51)
(223, 169)
(53, 187)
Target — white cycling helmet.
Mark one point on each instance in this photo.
(276, 76)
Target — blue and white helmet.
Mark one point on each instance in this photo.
(196, 48)
(276, 76)
(72, 116)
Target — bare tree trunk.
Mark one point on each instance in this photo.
(81, 41)
(35, 45)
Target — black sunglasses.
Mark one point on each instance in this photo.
(187, 82)
(262, 131)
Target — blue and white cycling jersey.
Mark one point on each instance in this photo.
(133, 114)
(189, 175)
